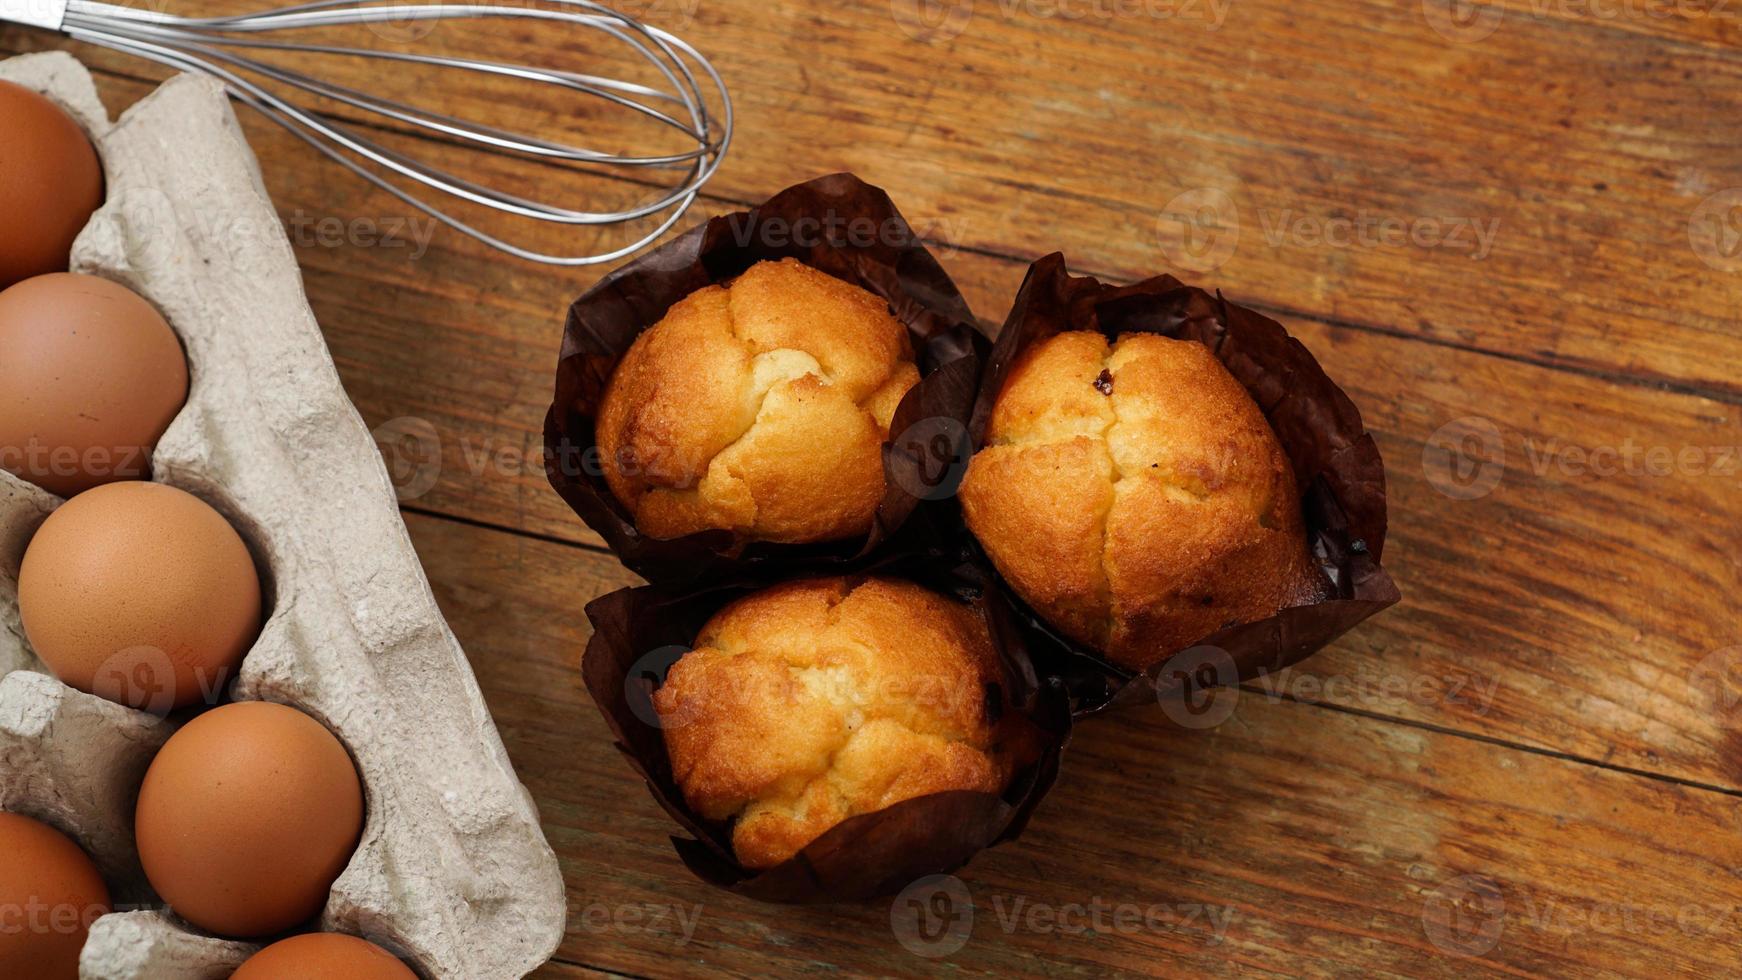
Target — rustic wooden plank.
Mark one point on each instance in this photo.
(1323, 842)
(1583, 129)
(1630, 574)
(1581, 608)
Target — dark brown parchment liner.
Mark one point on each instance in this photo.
(1336, 464)
(839, 225)
(919, 534)
(637, 635)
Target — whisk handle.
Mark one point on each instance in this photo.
(50, 14)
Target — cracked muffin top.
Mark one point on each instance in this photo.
(1134, 495)
(818, 700)
(759, 407)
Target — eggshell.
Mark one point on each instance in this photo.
(50, 893)
(141, 594)
(246, 817)
(90, 378)
(323, 956)
(50, 183)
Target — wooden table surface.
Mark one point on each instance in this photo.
(1513, 233)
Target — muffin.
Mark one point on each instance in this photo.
(759, 407)
(1135, 496)
(818, 700)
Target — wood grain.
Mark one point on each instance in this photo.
(1576, 607)
(1555, 709)
(1629, 569)
(1328, 835)
(1583, 129)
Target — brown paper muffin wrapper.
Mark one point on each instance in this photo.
(1336, 463)
(839, 225)
(639, 633)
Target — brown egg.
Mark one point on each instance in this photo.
(50, 183)
(246, 818)
(90, 377)
(323, 956)
(141, 594)
(50, 893)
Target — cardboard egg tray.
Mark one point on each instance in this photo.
(453, 871)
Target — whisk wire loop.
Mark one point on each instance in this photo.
(695, 106)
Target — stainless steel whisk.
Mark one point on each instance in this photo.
(210, 45)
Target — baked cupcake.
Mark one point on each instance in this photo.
(759, 407)
(812, 702)
(1134, 495)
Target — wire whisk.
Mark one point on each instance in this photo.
(693, 103)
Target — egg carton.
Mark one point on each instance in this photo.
(453, 871)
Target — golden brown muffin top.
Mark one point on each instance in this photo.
(1135, 496)
(761, 406)
(813, 701)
